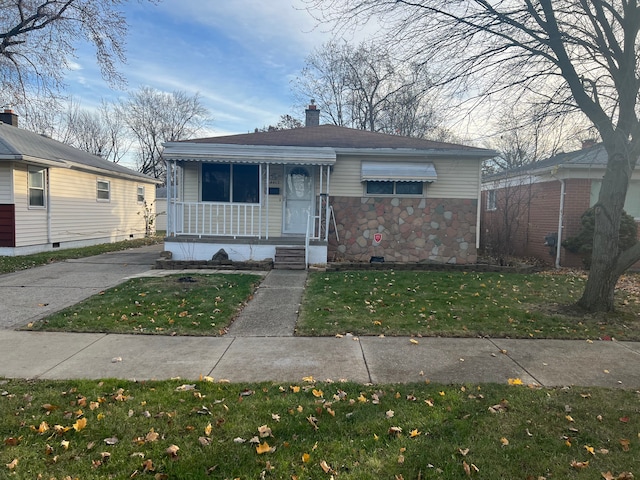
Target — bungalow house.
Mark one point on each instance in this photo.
(528, 211)
(55, 196)
(333, 193)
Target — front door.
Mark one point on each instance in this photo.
(298, 199)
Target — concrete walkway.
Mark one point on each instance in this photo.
(260, 345)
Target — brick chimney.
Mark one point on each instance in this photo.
(9, 117)
(312, 118)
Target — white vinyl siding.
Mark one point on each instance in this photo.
(457, 178)
(31, 224)
(6, 184)
(76, 215)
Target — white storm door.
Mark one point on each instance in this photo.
(298, 199)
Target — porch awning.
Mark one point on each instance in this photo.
(205, 152)
(398, 172)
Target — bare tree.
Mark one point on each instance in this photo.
(102, 132)
(574, 55)
(365, 87)
(155, 117)
(37, 39)
(286, 122)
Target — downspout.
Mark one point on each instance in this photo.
(478, 209)
(48, 197)
(560, 221)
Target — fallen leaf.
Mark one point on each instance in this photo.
(43, 427)
(186, 387)
(13, 464)
(514, 381)
(264, 431)
(591, 450)
(207, 429)
(204, 441)
(172, 451)
(13, 441)
(152, 436)
(624, 442)
(65, 444)
(504, 441)
(111, 440)
(413, 341)
(147, 466)
(263, 448)
(389, 413)
(579, 465)
(463, 452)
(80, 424)
(415, 433)
(305, 457)
(325, 467)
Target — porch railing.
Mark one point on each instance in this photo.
(223, 219)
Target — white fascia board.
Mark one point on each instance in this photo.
(478, 154)
(199, 152)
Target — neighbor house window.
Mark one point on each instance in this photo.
(140, 194)
(394, 188)
(224, 182)
(36, 183)
(491, 200)
(103, 191)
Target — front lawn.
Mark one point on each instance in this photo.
(461, 305)
(308, 430)
(173, 305)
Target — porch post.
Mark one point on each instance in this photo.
(169, 209)
(327, 208)
(266, 202)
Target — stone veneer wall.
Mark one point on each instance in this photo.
(413, 229)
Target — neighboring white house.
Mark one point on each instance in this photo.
(55, 196)
(341, 193)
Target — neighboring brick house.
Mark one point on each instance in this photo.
(337, 193)
(526, 208)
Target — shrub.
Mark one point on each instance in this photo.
(582, 243)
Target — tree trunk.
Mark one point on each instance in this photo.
(605, 271)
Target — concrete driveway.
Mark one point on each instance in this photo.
(32, 294)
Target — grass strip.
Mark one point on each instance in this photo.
(460, 304)
(313, 430)
(173, 305)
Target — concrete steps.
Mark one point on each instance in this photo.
(290, 258)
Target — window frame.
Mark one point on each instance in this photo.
(43, 188)
(394, 185)
(492, 203)
(139, 198)
(98, 190)
(231, 183)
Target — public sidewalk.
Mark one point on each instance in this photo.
(260, 346)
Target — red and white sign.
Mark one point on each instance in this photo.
(377, 238)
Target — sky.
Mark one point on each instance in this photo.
(239, 55)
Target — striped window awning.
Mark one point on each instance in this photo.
(398, 172)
